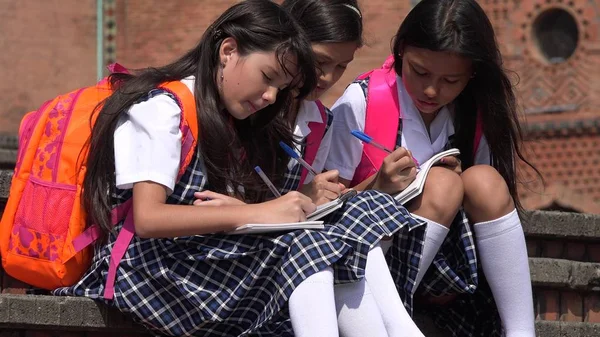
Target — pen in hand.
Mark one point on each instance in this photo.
(268, 182)
(296, 156)
(369, 140)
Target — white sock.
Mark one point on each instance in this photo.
(395, 317)
(358, 313)
(434, 237)
(312, 306)
(503, 255)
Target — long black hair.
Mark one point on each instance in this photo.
(328, 21)
(257, 26)
(462, 27)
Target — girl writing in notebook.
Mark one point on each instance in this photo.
(371, 306)
(180, 274)
(367, 305)
(445, 87)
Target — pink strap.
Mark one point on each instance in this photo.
(383, 111)
(117, 253)
(313, 140)
(89, 236)
(93, 232)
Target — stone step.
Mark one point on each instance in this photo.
(560, 273)
(561, 225)
(24, 312)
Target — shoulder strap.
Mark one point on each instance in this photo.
(189, 121)
(383, 112)
(313, 140)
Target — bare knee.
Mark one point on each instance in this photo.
(486, 195)
(441, 198)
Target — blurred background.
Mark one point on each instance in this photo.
(551, 47)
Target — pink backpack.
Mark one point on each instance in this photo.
(381, 119)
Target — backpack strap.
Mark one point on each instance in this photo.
(381, 119)
(313, 140)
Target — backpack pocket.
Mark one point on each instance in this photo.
(42, 219)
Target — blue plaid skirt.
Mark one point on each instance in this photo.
(455, 271)
(239, 285)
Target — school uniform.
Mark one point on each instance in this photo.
(454, 269)
(369, 216)
(219, 284)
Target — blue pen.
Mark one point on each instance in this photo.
(369, 140)
(296, 156)
(268, 182)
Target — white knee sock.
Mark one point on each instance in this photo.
(434, 237)
(312, 306)
(395, 317)
(503, 256)
(358, 313)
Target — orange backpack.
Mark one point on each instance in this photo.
(44, 240)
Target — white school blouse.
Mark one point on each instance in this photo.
(148, 140)
(349, 114)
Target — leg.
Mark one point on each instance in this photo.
(312, 306)
(357, 312)
(395, 317)
(438, 204)
(501, 247)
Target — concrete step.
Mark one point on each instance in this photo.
(560, 273)
(26, 312)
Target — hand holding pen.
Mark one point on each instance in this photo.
(292, 207)
(369, 140)
(324, 187)
(398, 169)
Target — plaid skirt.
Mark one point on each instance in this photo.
(239, 285)
(455, 271)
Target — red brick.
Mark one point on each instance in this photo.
(593, 252)
(571, 307)
(547, 305)
(575, 251)
(552, 249)
(533, 247)
(591, 308)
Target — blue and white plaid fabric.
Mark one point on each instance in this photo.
(238, 285)
(453, 271)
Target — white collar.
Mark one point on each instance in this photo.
(307, 113)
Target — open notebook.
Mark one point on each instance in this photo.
(310, 223)
(416, 187)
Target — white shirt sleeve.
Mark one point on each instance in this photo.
(482, 157)
(348, 114)
(148, 143)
